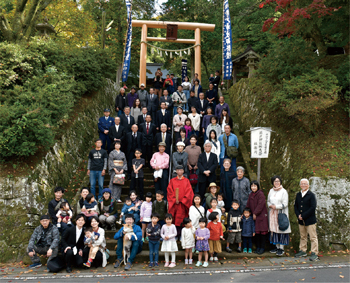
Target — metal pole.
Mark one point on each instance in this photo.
(259, 168)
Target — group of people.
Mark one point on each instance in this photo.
(188, 207)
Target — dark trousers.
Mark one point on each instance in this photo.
(130, 157)
(106, 142)
(137, 182)
(162, 183)
(153, 115)
(247, 242)
(72, 259)
(147, 153)
(260, 241)
(202, 187)
(42, 251)
(136, 248)
(97, 262)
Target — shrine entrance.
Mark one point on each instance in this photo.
(172, 28)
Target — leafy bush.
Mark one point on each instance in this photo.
(39, 86)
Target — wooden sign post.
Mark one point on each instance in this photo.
(259, 145)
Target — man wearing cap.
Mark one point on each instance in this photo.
(136, 239)
(180, 197)
(180, 157)
(164, 137)
(131, 97)
(152, 103)
(142, 94)
(44, 241)
(160, 163)
(104, 123)
(207, 164)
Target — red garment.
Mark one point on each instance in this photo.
(179, 211)
(257, 204)
(215, 230)
(168, 80)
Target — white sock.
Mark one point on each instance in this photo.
(166, 255)
(277, 246)
(173, 257)
(282, 247)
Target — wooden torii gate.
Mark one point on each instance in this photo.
(197, 27)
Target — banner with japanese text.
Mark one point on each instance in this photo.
(227, 43)
(127, 52)
(183, 69)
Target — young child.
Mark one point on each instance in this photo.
(248, 230)
(213, 203)
(221, 206)
(216, 234)
(187, 239)
(202, 244)
(90, 238)
(145, 214)
(153, 234)
(189, 128)
(90, 206)
(160, 207)
(169, 245)
(234, 227)
(137, 174)
(64, 213)
(129, 208)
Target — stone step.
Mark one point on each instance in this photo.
(143, 257)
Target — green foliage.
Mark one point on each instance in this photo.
(39, 86)
(343, 76)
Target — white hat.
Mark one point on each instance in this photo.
(142, 84)
(180, 143)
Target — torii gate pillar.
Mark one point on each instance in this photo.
(197, 27)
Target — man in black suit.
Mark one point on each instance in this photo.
(148, 131)
(142, 118)
(133, 141)
(152, 103)
(73, 243)
(207, 164)
(163, 136)
(216, 81)
(116, 132)
(163, 117)
(126, 120)
(202, 105)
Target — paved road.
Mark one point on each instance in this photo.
(320, 273)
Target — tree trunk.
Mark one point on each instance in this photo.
(319, 41)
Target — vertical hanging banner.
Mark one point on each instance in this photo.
(127, 50)
(183, 69)
(227, 43)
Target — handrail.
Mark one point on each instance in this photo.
(171, 152)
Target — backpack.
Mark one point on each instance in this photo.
(232, 151)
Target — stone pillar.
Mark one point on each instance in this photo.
(143, 56)
(234, 75)
(197, 53)
(251, 64)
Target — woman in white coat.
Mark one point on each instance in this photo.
(277, 201)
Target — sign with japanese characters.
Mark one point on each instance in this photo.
(227, 43)
(183, 69)
(127, 54)
(260, 142)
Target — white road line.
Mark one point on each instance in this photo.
(125, 274)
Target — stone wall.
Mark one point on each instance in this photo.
(332, 193)
(23, 199)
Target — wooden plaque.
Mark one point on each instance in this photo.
(171, 32)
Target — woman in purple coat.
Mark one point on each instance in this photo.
(257, 204)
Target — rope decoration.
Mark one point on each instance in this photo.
(171, 51)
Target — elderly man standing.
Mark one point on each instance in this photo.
(207, 164)
(44, 241)
(142, 94)
(160, 163)
(180, 197)
(305, 210)
(116, 133)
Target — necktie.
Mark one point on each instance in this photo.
(152, 96)
(147, 128)
(134, 136)
(128, 119)
(144, 117)
(163, 140)
(202, 103)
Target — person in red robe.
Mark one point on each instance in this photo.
(180, 197)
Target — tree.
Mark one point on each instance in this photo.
(303, 17)
(21, 24)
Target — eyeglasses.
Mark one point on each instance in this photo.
(276, 181)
